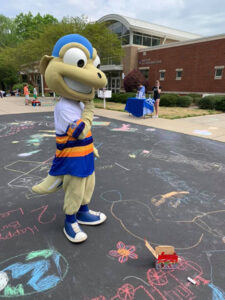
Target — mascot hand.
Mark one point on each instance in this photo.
(96, 154)
(87, 118)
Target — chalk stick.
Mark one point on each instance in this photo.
(191, 280)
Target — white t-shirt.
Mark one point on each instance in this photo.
(66, 112)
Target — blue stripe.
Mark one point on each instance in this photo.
(74, 166)
(64, 134)
(77, 143)
(78, 130)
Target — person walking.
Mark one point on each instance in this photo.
(156, 96)
(26, 93)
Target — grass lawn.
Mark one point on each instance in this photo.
(164, 112)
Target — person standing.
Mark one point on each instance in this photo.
(26, 93)
(141, 91)
(156, 96)
(35, 93)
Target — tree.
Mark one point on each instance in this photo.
(7, 32)
(133, 79)
(29, 26)
(105, 41)
(33, 46)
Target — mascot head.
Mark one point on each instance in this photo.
(73, 69)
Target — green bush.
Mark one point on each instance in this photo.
(121, 98)
(209, 102)
(168, 100)
(196, 100)
(21, 86)
(184, 101)
(220, 104)
(192, 95)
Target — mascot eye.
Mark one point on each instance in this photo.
(75, 56)
(97, 62)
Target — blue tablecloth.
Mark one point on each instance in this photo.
(139, 107)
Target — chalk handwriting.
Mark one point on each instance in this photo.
(43, 210)
(8, 213)
(14, 228)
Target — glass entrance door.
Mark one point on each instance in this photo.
(115, 84)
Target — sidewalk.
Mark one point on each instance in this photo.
(210, 126)
(15, 105)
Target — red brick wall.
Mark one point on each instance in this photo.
(197, 61)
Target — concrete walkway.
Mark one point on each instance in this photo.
(210, 126)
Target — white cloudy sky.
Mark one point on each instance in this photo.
(205, 17)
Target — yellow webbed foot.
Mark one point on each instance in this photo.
(49, 185)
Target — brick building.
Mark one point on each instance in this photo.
(182, 61)
(135, 36)
(191, 66)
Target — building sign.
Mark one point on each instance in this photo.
(148, 61)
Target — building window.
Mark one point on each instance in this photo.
(179, 74)
(122, 32)
(218, 72)
(145, 40)
(125, 39)
(144, 72)
(137, 39)
(162, 74)
(155, 41)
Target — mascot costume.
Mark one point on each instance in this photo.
(73, 72)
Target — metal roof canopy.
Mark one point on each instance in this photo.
(150, 28)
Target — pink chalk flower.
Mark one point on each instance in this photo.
(124, 252)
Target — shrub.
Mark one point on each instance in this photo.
(220, 104)
(20, 86)
(192, 95)
(184, 101)
(121, 98)
(196, 100)
(209, 102)
(168, 100)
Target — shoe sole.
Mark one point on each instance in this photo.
(71, 239)
(91, 223)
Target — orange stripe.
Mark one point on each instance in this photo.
(76, 151)
(79, 121)
(70, 131)
(79, 154)
(88, 134)
(64, 139)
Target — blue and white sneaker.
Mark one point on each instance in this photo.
(87, 216)
(73, 231)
